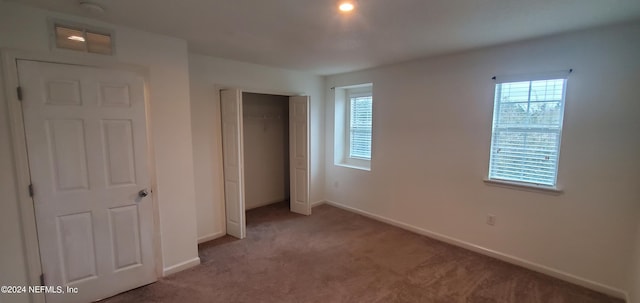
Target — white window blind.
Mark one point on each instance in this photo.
(360, 122)
(527, 126)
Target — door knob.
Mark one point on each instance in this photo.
(143, 193)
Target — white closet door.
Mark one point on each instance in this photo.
(233, 165)
(86, 136)
(299, 154)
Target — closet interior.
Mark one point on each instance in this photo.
(266, 149)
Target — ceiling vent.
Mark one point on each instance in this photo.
(83, 39)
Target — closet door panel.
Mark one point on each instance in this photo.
(299, 154)
(233, 163)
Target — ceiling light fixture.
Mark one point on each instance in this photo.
(346, 7)
(91, 7)
(76, 38)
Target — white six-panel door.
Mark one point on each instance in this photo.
(299, 154)
(233, 161)
(87, 147)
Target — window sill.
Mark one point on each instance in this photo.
(359, 167)
(524, 186)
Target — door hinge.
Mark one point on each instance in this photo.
(42, 279)
(19, 92)
(30, 190)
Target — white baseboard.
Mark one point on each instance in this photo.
(210, 237)
(318, 203)
(180, 266)
(599, 287)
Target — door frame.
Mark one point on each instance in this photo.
(243, 89)
(10, 81)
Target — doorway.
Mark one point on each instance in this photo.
(85, 131)
(234, 162)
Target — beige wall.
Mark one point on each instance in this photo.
(24, 28)
(431, 140)
(207, 76)
(266, 149)
(634, 286)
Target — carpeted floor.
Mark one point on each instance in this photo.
(336, 256)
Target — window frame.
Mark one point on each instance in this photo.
(342, 131)
(350, 94)
(524, 184)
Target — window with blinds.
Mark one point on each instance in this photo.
(527, 126)
(360, 123)
(353, 112)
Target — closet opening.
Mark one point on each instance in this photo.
(266, 150)
(265, 147)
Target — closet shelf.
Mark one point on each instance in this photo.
(263, 117)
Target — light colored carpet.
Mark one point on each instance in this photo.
(336, 256)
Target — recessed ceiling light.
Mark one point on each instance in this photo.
(346, 6)
(76, 38)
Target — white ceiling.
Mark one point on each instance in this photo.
(310, 35)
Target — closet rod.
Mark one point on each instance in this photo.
(264, 117)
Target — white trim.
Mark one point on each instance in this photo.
(22, 172)
(181, 266)
(209, 237)
(318, 203)
(363, 90)
(608, 290)
(218, 137)
(496, 109)
(220, 86)
(564, 74)
(365, 168)
(357, 163)
(523, 186)
(342, 114)
(352, 86)
(220, 171)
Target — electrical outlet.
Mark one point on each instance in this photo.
(491, 219)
